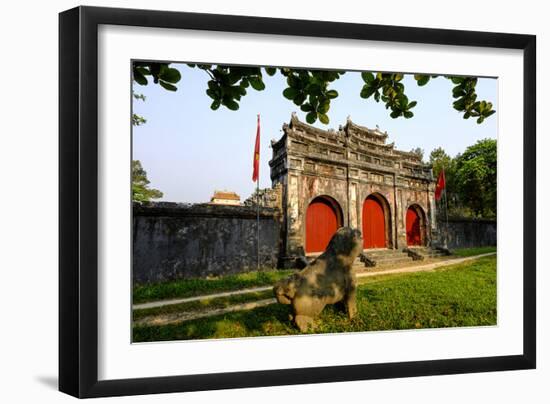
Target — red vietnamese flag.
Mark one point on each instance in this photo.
(256, 162)
(440, 186)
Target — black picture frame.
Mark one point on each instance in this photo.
(78, 201)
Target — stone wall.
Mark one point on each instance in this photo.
(465, 232)
(172, 240)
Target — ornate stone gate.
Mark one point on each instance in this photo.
(356, 171)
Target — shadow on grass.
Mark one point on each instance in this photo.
(268, 320)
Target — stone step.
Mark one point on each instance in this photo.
(384, 258)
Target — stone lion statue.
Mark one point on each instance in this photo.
(329, 279)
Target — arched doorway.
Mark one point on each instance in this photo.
(323, 218)
(374, 223)
(415, 226)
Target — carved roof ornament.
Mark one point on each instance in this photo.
(375, 134)
(360, 138)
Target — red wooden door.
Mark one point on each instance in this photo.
(321, 224)
(374, 224)
(413, 227)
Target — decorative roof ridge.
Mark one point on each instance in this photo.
(373, 132)
(295, 121)
(408, 153)
(376, 133)
(390, 146)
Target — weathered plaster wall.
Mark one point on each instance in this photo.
(464, 233)
(173, 240)
(347, 166)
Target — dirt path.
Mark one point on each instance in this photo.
(174, 318)
(160, 303)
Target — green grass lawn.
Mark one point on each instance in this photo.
(201, 286)
(468, 252)
(455, 296)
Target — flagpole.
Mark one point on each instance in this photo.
(258, 202)
(258, 218)
(446, 214)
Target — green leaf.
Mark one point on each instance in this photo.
(299, 99)
(324, 118)
(403, 101)
(256, 83)
(271, 70)
(313, 100)
(143, 70)
(314, 89)
(306, 107)
(323, 108)
(290, 93)
(411, 105)
(167, 86)
(215, 105)
(212, 85)
(421, 79)
(212, 94)
(459, 104)
(458, 91)
(332, 94)
(395, 114)
(456, 80)
(233, 77)
(294, 82)
(140, 78)
(367, 91)
(231, 104)
(155, 69)
(408, 114)
(240, 90)
(367, 77)
(480, 119)
(170, 75)
(311, 117)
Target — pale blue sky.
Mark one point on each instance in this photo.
(188, 150)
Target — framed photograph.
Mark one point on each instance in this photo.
(250, 201)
